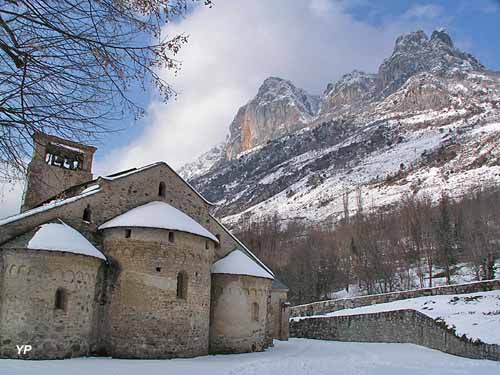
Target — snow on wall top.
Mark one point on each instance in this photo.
(237, 263)
(477, 315)
(158, 215)
(48, 206)
(62, 237)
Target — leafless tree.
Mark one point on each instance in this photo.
(66, 66)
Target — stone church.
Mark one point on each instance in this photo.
(130, 265)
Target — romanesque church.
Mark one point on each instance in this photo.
(130, 265)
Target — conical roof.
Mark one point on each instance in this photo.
(158, 215)
(237, 263)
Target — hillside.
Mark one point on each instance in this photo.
(428, 121)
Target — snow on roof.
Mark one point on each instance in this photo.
(252, 255)
(68, 147)
(62, 237)
(48, 206)
(128, 172)
(90, 188)
(237, 263)
(158, 215)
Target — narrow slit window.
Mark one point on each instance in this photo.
(207, 244)
(217, 244)
(171, 237)
(128, 233)
(181, 285)
(87, 214)
(161, 189)
(60, 299)
(255, 311)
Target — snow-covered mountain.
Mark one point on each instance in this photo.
(428, 121)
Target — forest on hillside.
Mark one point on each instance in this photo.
(406, 247)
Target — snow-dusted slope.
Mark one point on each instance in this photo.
(427, 122)
(204, 163)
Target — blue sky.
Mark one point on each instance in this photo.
(236, 44)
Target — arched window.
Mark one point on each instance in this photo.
(161, 189)
(182, 285)
(255, 311)
(171, 237)
(60, 300)
(87, 214)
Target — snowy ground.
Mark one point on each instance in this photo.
(477, 315)
(297, 356)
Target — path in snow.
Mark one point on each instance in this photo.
(297, 356)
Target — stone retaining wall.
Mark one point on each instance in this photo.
(323, 307)
(399, 326)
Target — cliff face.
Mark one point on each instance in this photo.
(428, 121)
(279, 108)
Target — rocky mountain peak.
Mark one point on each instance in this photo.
(428, 119)
(415, 53)
(279, 108)
(278, 89)
(350, 89)
(442, 36)
(410, 42)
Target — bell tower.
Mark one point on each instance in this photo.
(57, 165)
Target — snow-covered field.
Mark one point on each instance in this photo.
(297, 356)
(477, 315)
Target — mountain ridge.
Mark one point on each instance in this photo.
(291, 152)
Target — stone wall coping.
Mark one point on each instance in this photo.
(320, 307)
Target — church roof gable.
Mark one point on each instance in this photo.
(129, 172)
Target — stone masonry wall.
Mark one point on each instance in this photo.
(116, 197)
(28, 315)
(45, 181)
(233, 329)
(280, 315)
(322, 307)
(400, 326)
(145, 317)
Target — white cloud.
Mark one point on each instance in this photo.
(232, 48)
(10, 198)
(423, 12)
